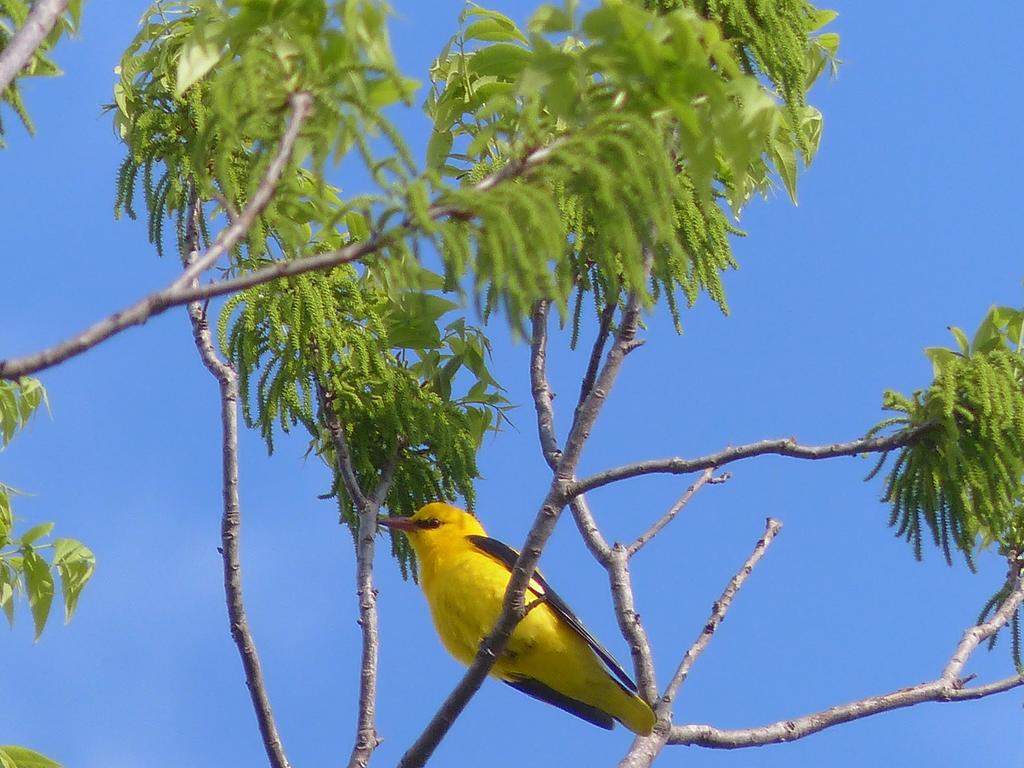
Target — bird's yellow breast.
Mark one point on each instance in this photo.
(465, 601)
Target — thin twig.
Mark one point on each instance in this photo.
(946, 688)
(782, 447)
(617, 565)
(976, 635)
(646, 748)
(367, 739)
(539, 386)
(800, 727)
(26, 41)
(227, 379)
(669, 516)
(596, 352)
(176, 295)
(544, 524)
(343, 456)
(632, 629)
(592, 537)
(719, 609)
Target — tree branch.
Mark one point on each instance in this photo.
(176, 295)
(367, 739)
(632, 630)
(612, 560)
(646, 748)
(947, 687)
(184, 289)
(718, 611)
(787, 446)
(39, 23)
(589, 532)
(539, 386)
(974, 636)
(798, 728)
(302, 107)
(621, 584)
(342, 454)
(669, 516)
(604, 328)
(513, 608)
(231, 521)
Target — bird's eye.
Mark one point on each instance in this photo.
(431, 523)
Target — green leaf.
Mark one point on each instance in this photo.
(35, 533)
(38, 588)
(9, 583)
(987, 337)
(786, 165)
(198, 57)
(6, 517)
(358, 229)
(940, 357)
(22, 757)
(492, 29)
(384, 93)
(76, 564)
(819, 18)
(503, 60)
(961, 340)
(548, 20)
(438, 148)
(414, 333)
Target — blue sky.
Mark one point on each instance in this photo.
(906, 224)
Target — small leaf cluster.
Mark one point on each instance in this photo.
(652, 118)
(203, 99)
(12, 756)
(13, 14)
(961, 479)
(775, 40)
(781, 44)
(19, 400)
(23, 567)
(335, 348)
(1001, 328)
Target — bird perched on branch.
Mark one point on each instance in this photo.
(550, 655)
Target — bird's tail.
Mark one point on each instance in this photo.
(634, 713)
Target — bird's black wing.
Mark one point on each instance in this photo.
(538, 690)
(507, 556)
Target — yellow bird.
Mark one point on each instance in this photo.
(550, 655)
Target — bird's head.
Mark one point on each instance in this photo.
(434, 525)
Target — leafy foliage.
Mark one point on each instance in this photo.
(203, 98)
(23, 567)
(773, 40)
(646, 134)
(559, 155)
(962, 478)
(333, 347)
(12, 16)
